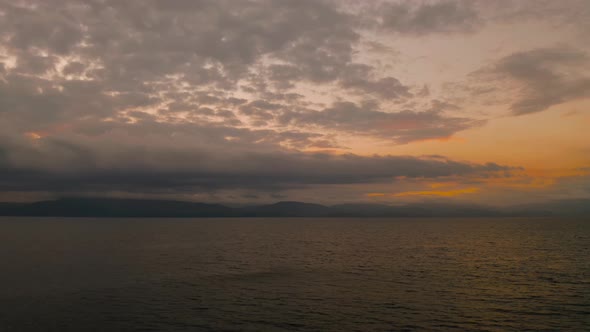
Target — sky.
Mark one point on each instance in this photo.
(390, 102)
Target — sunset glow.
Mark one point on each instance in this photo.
(324, 101)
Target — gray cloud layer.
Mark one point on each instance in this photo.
(65, 165)
(67, 60)
(420, 18)
(550, 76)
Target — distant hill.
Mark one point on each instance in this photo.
(111, 207)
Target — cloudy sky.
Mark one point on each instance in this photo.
(318, 101)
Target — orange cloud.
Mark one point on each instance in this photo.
(533, 178)
(442, 184)
(33, 135)
(47, 131)
(443, 139)
(449, 193)
(494, 182)
(376, 194)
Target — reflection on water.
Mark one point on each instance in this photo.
(294, 274)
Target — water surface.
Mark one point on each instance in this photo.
(294, 274)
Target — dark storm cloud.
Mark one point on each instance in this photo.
(549, 76)
(62, 165)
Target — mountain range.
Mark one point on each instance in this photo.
(113, 207)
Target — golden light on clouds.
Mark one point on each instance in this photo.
(33, 135)
(376, 195)
(442, 193)
(439, 193)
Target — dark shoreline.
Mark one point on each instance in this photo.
(138, 208)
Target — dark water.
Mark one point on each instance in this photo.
(294, 274)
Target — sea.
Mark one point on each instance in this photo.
(295, 274)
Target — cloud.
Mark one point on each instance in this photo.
(530, 81)
(401, 127)
(208, 42)
(185, 96)
(546, 76)
(441, 193)
(103, 60)
(571, 14)
(421, 18)
(63, 164)
(360, 78)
